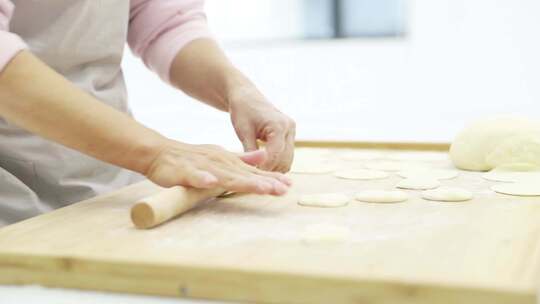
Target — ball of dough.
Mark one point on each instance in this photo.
(447, 194)
(524, 148)
(381, 196)
(492, 142)
(325, 200)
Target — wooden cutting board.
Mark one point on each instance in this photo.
(254, 248)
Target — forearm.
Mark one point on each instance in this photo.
(36, 98)
(202, 70)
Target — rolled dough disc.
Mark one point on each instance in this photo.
(312, 168)
(418, 183)
(518, 189)
(429, 173)
(361, 174)
(324, 200)
(311, 153)
(325, 233)
(385, 165)
(499, 176)
(447, 194)
(514, 173)
(360, 155)
(392, 165)
(419, 156)
(381, 196)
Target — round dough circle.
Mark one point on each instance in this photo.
(447, 194)
(325, 233)
(311, 153)
(360, 155)
(418, 183)
(361, 174)
(501, 176)
(513, 173)
(381, 196)
(324, 200)
(429, 173)
(518, 189)
(311, 168)
(419, 156)
(386, 165)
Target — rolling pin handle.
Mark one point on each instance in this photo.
(167, 204)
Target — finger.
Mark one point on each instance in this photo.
(233, 181)
(267, 182)
(291, 137)
(273, 178)
(186, 176)
(246, 185)
(192, 177)
(275, 175)
(287, 155)
(248, 138)
(278, 187)
(275, 143)
(254, 158)
(201, 179)
(271, 182)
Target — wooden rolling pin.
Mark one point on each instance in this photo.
(166, 204)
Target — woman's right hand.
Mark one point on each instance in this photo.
(209, 166)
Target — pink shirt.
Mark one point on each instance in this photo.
(158, 30)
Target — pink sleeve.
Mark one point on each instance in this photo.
(159, 29)
(10, 44)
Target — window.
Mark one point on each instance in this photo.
(306, 19)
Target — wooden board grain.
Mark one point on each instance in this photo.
(253, 248)
(401, 146)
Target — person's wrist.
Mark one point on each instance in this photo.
(235, 85)
(241, 90)
(145, 151)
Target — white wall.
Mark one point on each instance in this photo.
(255, 19)
(463, 59)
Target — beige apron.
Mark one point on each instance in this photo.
(83, 40)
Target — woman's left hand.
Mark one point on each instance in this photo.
(254, 118)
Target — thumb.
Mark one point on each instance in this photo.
(253, 158)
